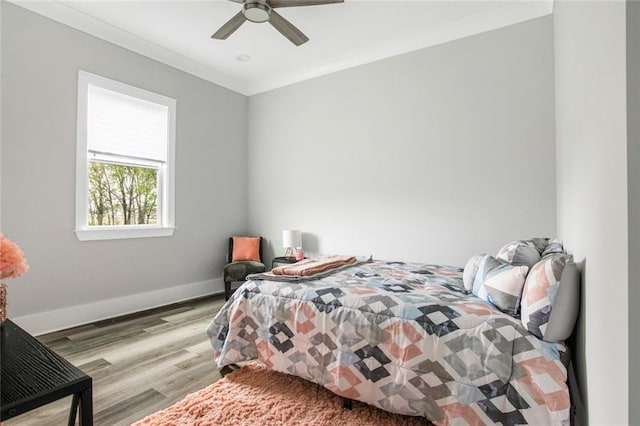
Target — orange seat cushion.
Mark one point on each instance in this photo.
(246, 248)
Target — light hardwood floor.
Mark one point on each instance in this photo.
(140, 363)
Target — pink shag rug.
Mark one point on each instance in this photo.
(255, 395)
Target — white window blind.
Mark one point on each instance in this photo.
(126, 126)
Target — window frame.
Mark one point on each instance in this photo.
(166, 184)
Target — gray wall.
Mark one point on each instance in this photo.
(633, 167)
(40, 63)
(433, 156)
(592, 193)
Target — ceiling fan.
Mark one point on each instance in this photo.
(262, 11)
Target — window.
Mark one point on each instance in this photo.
(125, 161)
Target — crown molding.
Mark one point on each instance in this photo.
(509, 14)
(512, 12)
(73, 18)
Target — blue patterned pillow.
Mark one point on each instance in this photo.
(499, 283)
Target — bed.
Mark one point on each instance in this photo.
(408, 338)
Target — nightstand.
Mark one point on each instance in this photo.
(281, 261)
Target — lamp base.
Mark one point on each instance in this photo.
(290, 254)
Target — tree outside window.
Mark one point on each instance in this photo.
(122, 195)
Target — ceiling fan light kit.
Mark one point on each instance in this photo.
(256, 12)
(259, 11)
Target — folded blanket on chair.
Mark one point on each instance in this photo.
(308, 267)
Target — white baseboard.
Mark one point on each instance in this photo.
(59, 319)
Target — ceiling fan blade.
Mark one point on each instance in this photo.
(294, 3)
(287, 29)
(229, 27)
(238, 1)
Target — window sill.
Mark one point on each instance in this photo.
(119, 233)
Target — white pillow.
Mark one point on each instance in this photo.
(470, 271)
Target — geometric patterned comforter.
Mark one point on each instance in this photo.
(404, 337)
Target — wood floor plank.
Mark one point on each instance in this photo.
(140, 363)
(127, 328)
(115, 413)
(93, 367)
(52, 337)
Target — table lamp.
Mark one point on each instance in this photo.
(291, 239)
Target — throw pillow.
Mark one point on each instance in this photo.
(246, 248)
(520, 252)
(499, 283)
(554, 246)
(470, 271)
(551, 298)
(540, 243)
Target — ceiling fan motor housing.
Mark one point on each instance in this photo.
(256, 11)
(264, 11)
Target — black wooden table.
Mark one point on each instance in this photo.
(32, 375)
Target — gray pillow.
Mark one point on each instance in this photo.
(520, 252)
(554, 246)
(540, 243)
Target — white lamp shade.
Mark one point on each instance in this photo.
(291, 238)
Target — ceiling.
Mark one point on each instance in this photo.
(177, 33)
